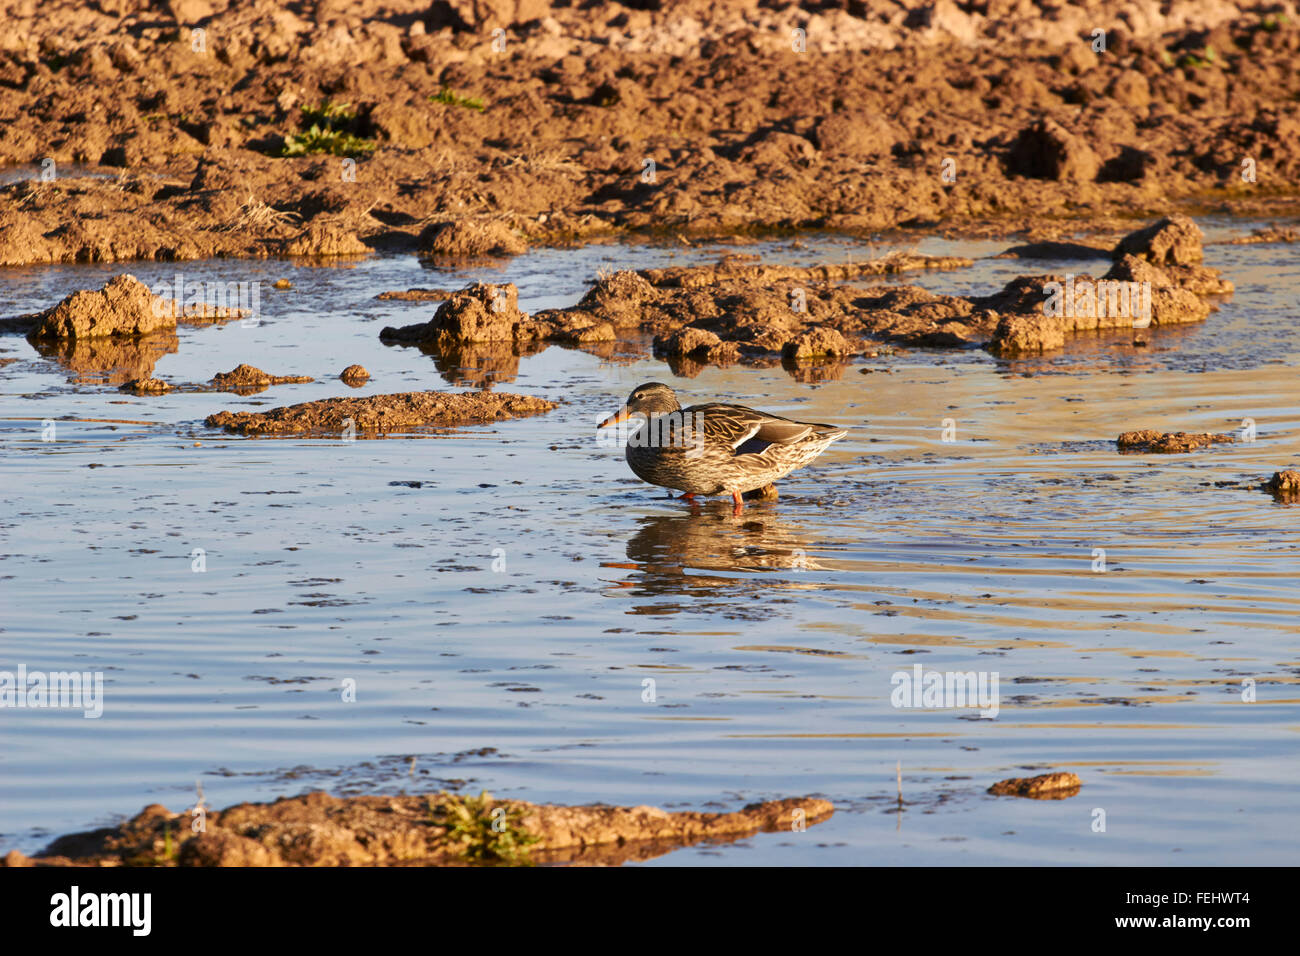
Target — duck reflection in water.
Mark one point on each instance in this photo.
(668, 552)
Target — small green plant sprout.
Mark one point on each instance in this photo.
(330, 132)
(1206, 58)
(450, 97)
(486, 832)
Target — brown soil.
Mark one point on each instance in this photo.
(245, 379)
(809, 321)
(1048, 786)
(416, 295)
(1284, 485)
(355, 375)
(383, 413)
(898, 113)
(125, 307)
(321, 830)
(148, 386)
(1168, 443)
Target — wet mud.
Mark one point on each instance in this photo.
(383, 414)
(318, 829)
(204, 129)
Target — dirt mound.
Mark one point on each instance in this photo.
(1048, 786)
(246, 379)
(383, 414)
(325, 240)
(147, 386)
(318, 829)
(124, 307)
(470, 239)
(355, 375)
(1284, 485)
(1173, 241)
(1168, 443)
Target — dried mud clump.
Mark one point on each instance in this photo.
(817, 343)
(147, 386)
(383, 414)
(1173, 241)
(1046, 150)
(324, 240)
(1048, 786)
(478, 313)
(1284, 484)
(466, 238)
(1153, 281)
(355, 375)
(124, 307)
(318, 829)
(247, 378)
(1168, 443)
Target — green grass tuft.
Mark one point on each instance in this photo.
(450, 97)
(328, 133)
(486, 832)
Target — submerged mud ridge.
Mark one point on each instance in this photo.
(318, 829)
(330, 128)
(383, 414)
(745, 311)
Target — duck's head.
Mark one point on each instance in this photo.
(652, 398)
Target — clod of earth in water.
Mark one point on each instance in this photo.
(318, 829)
(247, 378)
(714, 449)
(1048, 786)
(1284, 484)
(147, 386)
(355, 375)
(1167, 443)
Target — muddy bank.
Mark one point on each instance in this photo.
(382, 414)
(208, 129)
(318, 829)
(812, 321)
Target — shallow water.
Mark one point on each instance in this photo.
(771, 637)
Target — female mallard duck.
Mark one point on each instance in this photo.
(714, 449)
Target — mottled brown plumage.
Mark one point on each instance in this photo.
(714, 449)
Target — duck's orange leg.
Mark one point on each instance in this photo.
(737, 503)
(689, 496)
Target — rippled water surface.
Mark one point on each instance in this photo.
(771, 637)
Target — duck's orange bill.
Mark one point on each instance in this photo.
(619, 416)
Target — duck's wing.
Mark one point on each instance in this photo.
(746, 430)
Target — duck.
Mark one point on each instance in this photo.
(714, 448)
